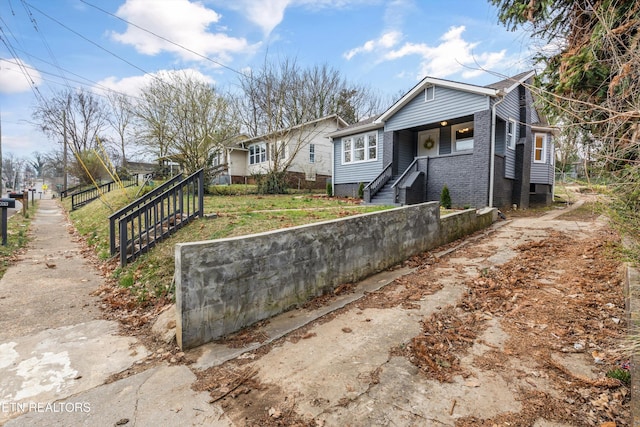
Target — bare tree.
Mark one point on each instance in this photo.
(12, 170)
(75, 116)
(280, 97)
(120, 118)
(185, 118)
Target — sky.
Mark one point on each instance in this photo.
(49, 46)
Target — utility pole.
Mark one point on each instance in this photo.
(64, 151)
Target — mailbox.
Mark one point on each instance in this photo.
(7, 203)
(16, 196)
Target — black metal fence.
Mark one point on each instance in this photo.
(83, 197)
(115, 217)
(156, 216)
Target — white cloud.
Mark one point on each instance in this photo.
(17, 76)
(384, 42)
(180, 21)
(132, 85)
(452, 55)
(268, 14)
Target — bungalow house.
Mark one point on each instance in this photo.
(487, 144)
(310, 166)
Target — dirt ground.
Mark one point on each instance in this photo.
(520, 326)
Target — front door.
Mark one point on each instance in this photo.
(428, 141)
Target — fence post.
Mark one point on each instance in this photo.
(201, 192)
(123, 243)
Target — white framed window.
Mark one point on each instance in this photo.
(430, 93)
(511, 134)
(540, 148)
(312, 153)
(258, 153)
(462, 136)
(360, 148)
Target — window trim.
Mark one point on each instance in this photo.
(543, 149)
(312, 153)
(259, 149)
(367, 148)
(426, 93)
(454, 129)
(511, 136)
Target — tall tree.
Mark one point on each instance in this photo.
(120, 118)
(183, 117)
(280, 97)
(78, 116)
(591, 80)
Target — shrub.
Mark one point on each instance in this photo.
(361, 191)
(445, 198)
(329, 189)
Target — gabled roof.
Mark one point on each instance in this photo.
(336, 117)
(510, 83)
(495, 89)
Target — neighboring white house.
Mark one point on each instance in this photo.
(307, 142)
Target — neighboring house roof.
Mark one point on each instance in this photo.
(495, 89)
(141, 167)
(336, 117)
(361, 126)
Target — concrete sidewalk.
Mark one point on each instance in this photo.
(56, 353)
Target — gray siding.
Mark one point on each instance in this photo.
(542, 173)
(448, 104)
(509, 109)
(357, 172)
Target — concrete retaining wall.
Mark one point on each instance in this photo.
(227, 284)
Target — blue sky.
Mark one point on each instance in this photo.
(388, 45)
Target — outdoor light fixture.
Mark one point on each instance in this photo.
(443, 123)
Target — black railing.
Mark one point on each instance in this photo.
(159, 217)
(83, 197)
(115, 217)
(68, 191)
(374, 186)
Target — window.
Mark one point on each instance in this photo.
(217, 159)
(312, 153)
(463, 136)
(360, 148)
(430, 93)
(540, 149)
(511, 134)
(258, 153)
(346, 147)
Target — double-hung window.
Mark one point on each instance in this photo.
(312, 153)
(360, 148)
(511, 134)
(258, 153)
(540, 148)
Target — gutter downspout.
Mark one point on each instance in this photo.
(492, 160)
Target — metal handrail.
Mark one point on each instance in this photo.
(378, 182)
(115, 217)
(83, 197)
(161, 216)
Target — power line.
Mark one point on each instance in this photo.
(164, 38)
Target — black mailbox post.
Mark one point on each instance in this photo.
(5, 203)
